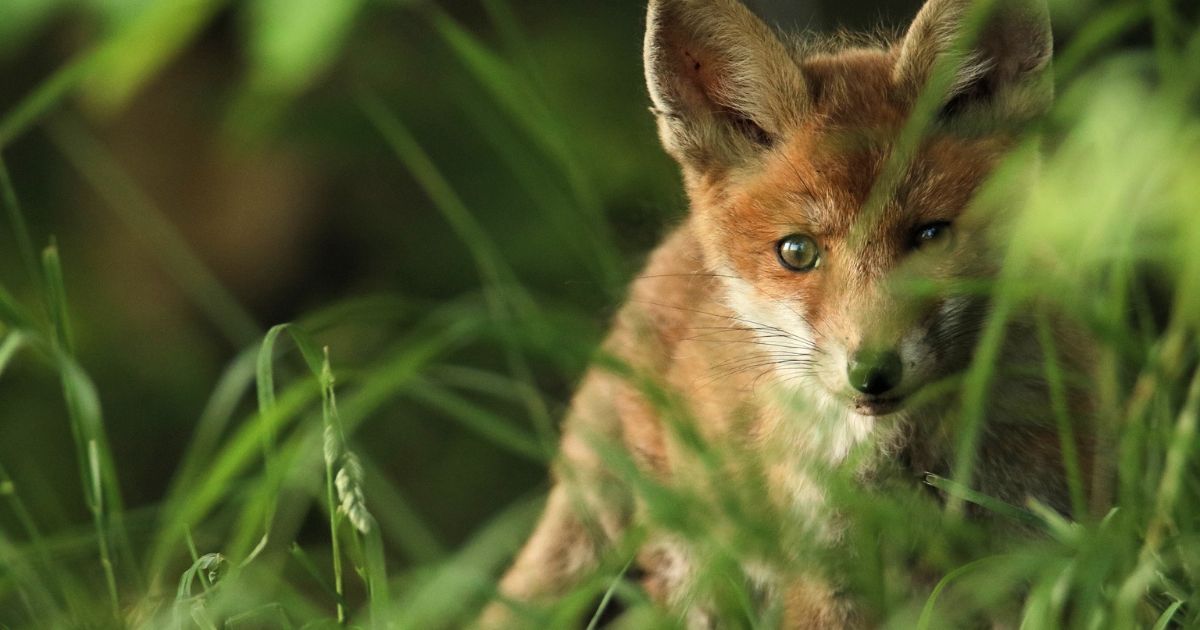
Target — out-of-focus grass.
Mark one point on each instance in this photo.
(281, 513)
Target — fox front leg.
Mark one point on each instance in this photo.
(564, 547)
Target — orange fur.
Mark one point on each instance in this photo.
(776, 142)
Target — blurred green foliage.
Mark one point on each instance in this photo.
(398, 177)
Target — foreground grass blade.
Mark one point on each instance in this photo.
(965, 494)
(334, 450)
(97, 468)
(265, 379)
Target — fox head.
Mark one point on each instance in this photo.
(814, 201)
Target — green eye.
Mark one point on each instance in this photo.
(934, 236)
(798, 253)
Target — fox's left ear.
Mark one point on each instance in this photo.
(998, 50)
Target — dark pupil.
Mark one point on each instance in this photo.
(797, 253)
(930, 233)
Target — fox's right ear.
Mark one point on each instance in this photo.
(724, 87)
(999, 52)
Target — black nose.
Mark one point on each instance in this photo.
(874, 373)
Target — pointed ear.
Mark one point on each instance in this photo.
(724, 87)
(999, 50)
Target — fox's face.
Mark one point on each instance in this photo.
(838, 232)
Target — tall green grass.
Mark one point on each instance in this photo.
(1116, 210)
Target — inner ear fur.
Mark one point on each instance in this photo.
(724, 87)
(999, 51)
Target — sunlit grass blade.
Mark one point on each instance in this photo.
(140, 47)
(1164, 620)
(334, 450)
(606, 599)
(12, 344)
(965, 494)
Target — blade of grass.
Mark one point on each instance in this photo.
(33, 534)
(244, 370)
(334, 450)
(1164, 620)
(112, 70)
(926, 618)
(310, 567)
(97, 469)
(14, 315)
(520, 100)
(505, 297)
(37, 604)
(493, 269)
(964, 493)
(379, 601)
(13, 342)
(478, 420)
(192, 504)
(57, 299)
(594, 623)
(1066, 433)
(217, 414)
(140, 214)
(349, 482)
(265, 380)
(46, 96)
(1103, 29)
(1165, 23)
(142, 46)
(438, 599)
(1179, 451)
(390, 376)
(20, 228)
(400, 519)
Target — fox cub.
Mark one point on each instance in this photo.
(783, 314)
